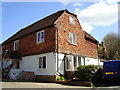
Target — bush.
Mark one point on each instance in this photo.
(97, 79)
(85, 72)
(61, 79)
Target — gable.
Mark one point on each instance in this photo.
(39, 25)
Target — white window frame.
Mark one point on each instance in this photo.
(72, 19)
(16, 42)
(41, 40)
(69, 60)
(79, 60)
(76, 61)
(72, 38)
(42, 62)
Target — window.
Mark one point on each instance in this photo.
(42, 62)
(71, 20)
(75, 62)
(79, 60)
(16, 65)
(69, 63)
(40, 37)
(16, 45)
(72, 38)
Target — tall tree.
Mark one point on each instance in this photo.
(112, 45)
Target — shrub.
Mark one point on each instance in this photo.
(85, 72)
(61, 79)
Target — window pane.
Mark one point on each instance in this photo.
(74, 39)
(44, 62)
(18, 65)
(42, 37)
(71, 19)
(68, 63)
(71, 38)
(79, 60)
(75, 61)
(16, 45)
(40, 62)
(38, 37)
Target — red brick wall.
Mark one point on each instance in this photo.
(83, 47)
(28, 46)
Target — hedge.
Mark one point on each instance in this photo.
(85, 72)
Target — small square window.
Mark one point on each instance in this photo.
(71, 20)
(40, 37)
(42, 62)
(16, 45)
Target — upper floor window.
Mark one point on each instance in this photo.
(42, 62)
(72, 38)
(71, 19)
(40, 37)
(16, 45)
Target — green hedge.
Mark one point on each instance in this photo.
(85, 72)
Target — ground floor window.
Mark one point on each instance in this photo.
(69, 63)
(75, 62)
(16, 64)
(79, 61)
(42, 62)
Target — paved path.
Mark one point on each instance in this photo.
(51, 85)
(36, 85)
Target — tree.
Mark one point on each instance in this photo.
(100, 51)
(112, 45)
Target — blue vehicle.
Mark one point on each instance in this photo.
(109, 75)
(111, 71)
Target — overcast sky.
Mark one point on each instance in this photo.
(97, 18)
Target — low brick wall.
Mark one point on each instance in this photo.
(46, 77)
(68, 74)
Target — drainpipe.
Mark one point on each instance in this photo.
(64, 66)
(56, 46)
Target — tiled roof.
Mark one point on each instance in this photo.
(89, 37)
(41, 24)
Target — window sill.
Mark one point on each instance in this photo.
(39, 42)
(16, 50)
(73, 44)
(69, 70)
(42, 68)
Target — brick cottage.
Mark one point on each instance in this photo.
(52, 46)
